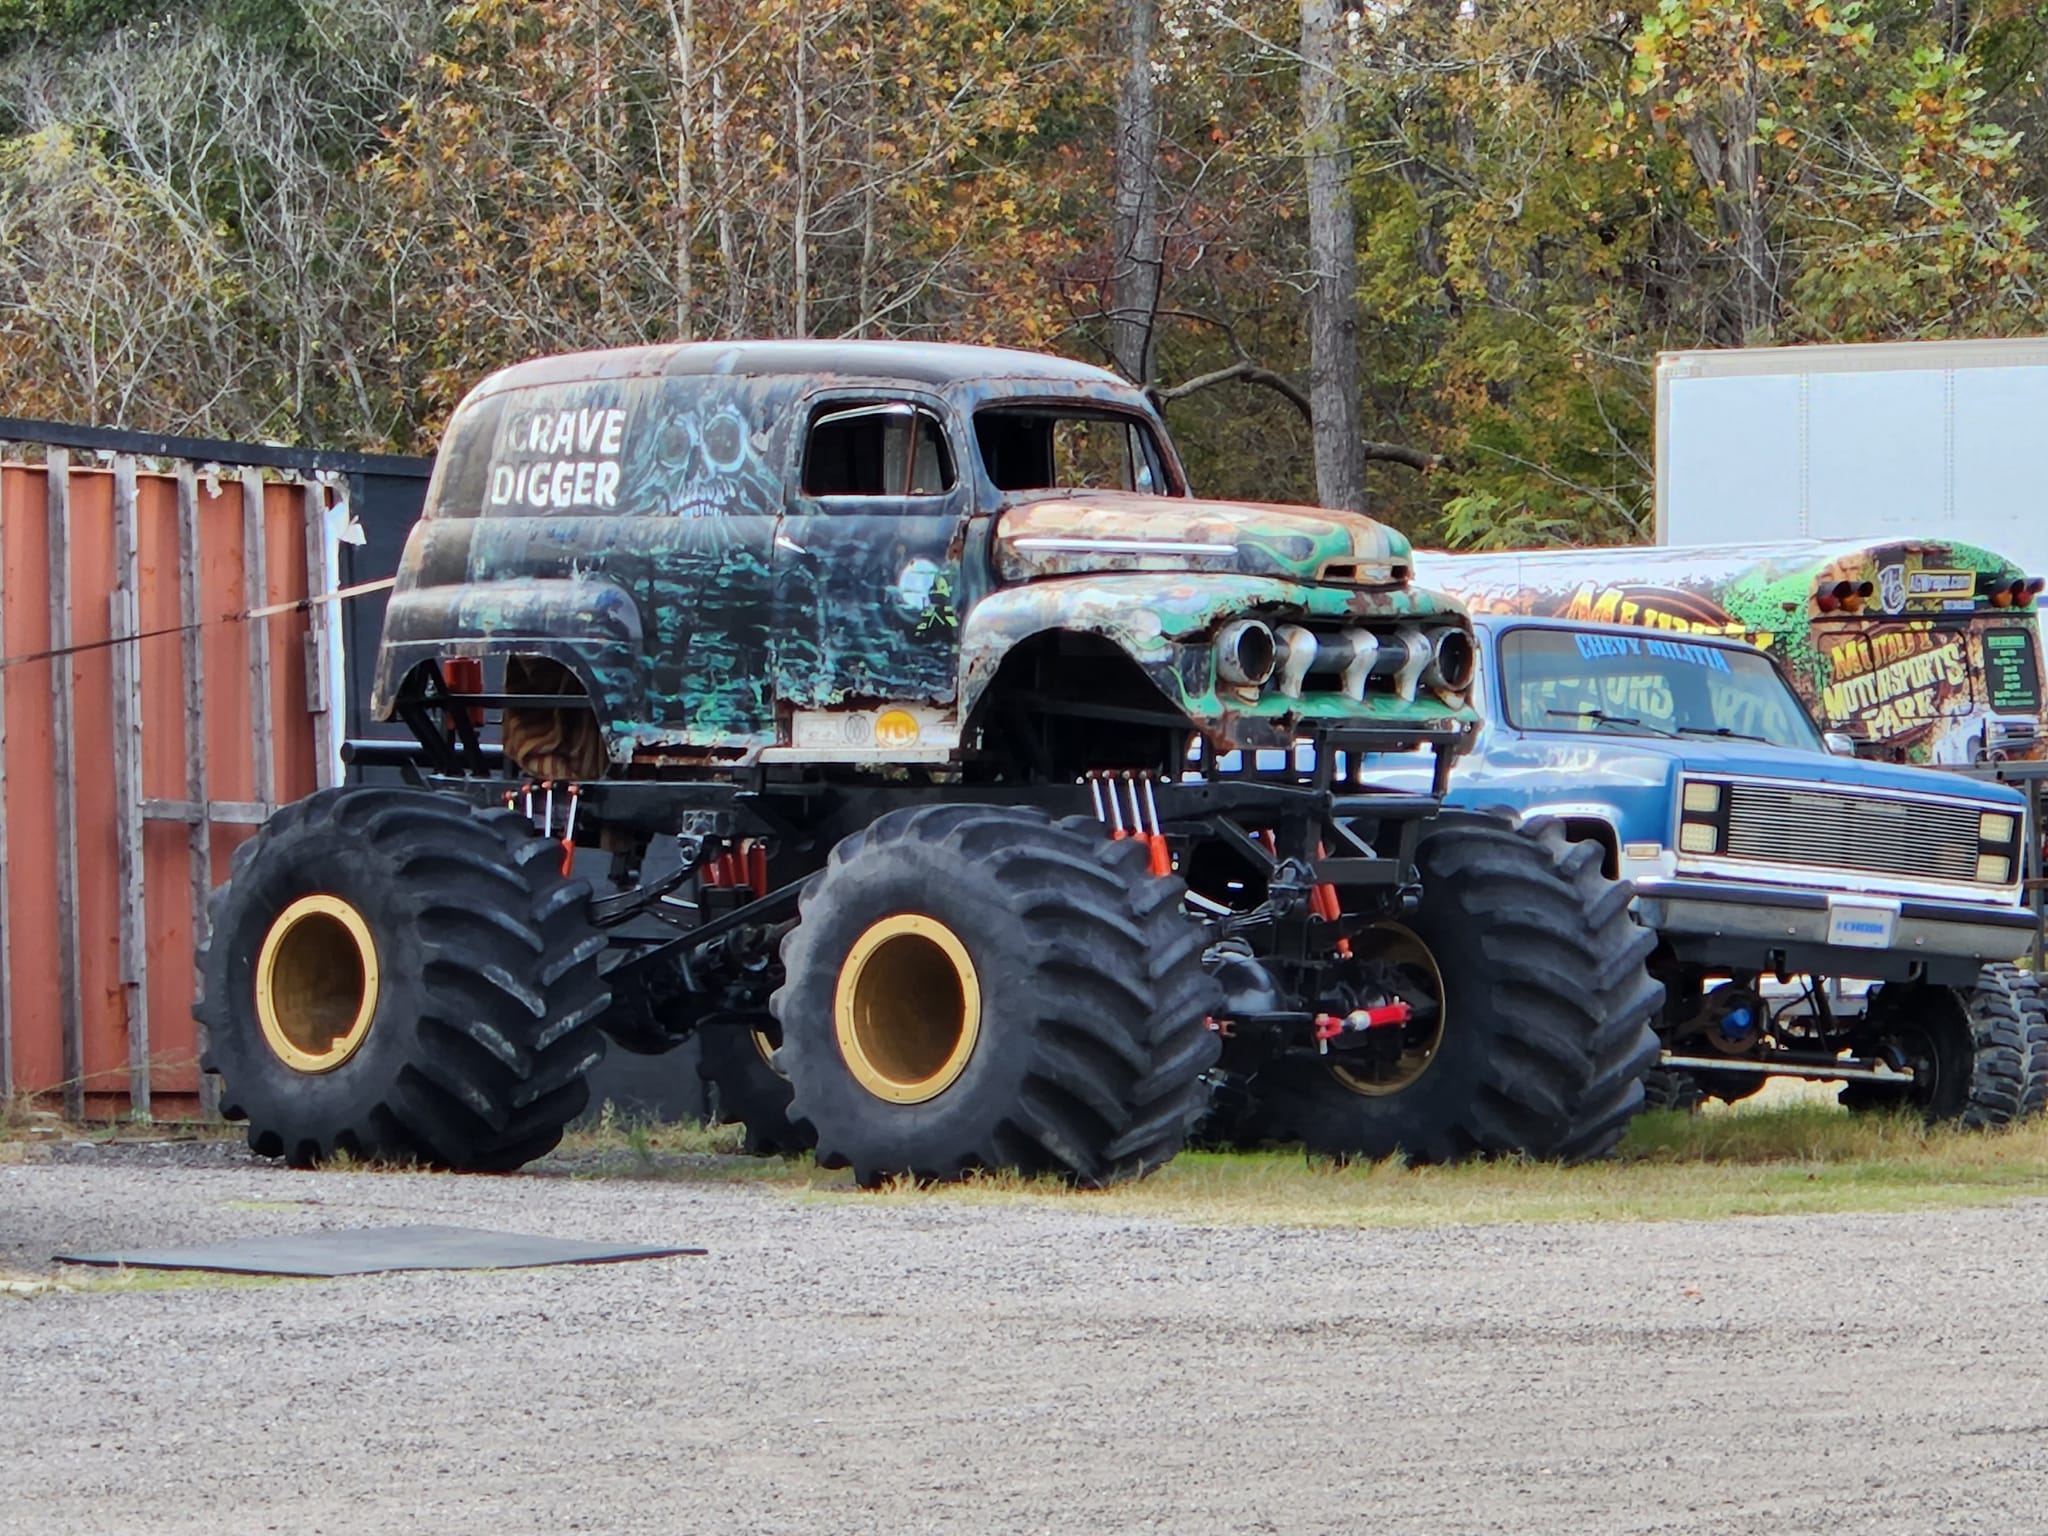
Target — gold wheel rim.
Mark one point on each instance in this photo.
(907, 1009)
(316, 984)
(1401, 947)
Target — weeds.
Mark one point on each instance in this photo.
(1786, 1158)
(122, 1281)
(1792, 1155)
(648, 1140)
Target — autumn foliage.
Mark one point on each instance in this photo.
(310, 220)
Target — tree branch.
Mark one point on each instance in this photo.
(1418, 459)
(1251, 373)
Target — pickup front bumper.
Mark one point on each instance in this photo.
(1772, 928)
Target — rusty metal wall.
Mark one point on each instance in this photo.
(151, 716)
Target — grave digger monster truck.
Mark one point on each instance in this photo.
(874, 669)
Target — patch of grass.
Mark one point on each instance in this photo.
(15, 1109)
(165, 1130)
(645, 1138)
(1787, 1158)
(24, 1118)
(345, 1161)
(122, 1281)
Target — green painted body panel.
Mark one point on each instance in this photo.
(1050, 537)
(1162, 622)
(642, 517)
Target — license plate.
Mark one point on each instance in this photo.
(1862, 924)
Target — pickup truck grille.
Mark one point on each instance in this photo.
(1826, 829)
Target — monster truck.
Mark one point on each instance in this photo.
(832, 702)
(1772, 871)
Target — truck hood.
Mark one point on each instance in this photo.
(1084, 533)
(1756, 760)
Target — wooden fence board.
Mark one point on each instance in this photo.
(64, 779)
(125, 624)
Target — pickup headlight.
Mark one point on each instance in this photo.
(1702, 816)
(1998, 846)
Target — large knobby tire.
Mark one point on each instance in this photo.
(2034, 1014)
(394, 974)
(982, 987)
(1967, 1048)
(1546, 1014)
(737, 1058)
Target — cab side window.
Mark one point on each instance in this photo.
(876, 448)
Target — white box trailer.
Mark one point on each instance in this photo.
(1919, 439)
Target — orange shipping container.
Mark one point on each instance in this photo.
(105, 853)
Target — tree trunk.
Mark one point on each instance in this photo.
(1134, 274)
(722, 181)
(1332, 244)
(1724, 152)
(800, 222)
(1955, 19)
(871, 109)
(683, 27)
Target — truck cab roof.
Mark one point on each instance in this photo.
(931, 364)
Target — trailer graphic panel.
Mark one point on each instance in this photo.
(1922, 651)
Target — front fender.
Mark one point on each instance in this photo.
(1163, 624)
(1145, 617)
(589, 625)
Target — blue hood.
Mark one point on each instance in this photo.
(1753, 759)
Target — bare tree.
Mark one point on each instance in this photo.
(1137, 247)
(1333, 243)
(1723, 142)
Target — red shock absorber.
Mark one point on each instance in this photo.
(464, 674)
(569, 830)
(757, 868)
(1155, 839)
(1327, 906)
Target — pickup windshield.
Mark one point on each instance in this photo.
(1639, 684)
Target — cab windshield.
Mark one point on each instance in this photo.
(1647, 685)
(1040, 447)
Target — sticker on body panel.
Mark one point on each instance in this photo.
(1594, 646)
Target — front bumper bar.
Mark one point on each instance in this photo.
(1769, 928)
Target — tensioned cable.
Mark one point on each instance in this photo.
(296, 605)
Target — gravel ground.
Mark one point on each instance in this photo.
(860, 1365)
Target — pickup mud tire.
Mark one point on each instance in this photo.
(737, 1060)
(393, 974)
(1546, 1011)
(2034, 1012)
(1968, 1049)
(1669, 1088)
(983, 987)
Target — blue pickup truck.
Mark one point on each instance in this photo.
(1818, 916)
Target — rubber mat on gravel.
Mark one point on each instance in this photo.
(370, 1250)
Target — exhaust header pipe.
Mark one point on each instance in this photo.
(1249, 653)
(1246, 652)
